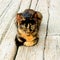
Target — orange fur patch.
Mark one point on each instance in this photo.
(24, 35)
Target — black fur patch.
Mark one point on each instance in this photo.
(18, 43)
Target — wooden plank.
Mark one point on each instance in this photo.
(24, 5)
(52, 45)
(6, 20)
(54, 19)
(8, 47)
(0, 1)
(34, 4)
(3, 5)
(36, 52)
(43, 8)
(52, 49)
(8, 32)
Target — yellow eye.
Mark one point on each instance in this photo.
(22, 26)
(32, 27)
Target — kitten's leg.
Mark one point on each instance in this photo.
(18, 43)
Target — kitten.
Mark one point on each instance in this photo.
(28, 24)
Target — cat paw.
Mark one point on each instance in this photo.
(32, 43)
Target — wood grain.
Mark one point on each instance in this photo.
(52, 49)
(8, 32)
(54, 19)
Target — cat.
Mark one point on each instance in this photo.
(28, 24)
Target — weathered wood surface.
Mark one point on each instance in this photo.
(48, 47)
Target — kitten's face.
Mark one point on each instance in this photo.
(28, 25)
(28, 21)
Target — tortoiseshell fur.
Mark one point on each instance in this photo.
(28, 24)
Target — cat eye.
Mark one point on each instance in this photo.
(32, 27)
(22, 26)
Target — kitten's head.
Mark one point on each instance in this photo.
(28, 21)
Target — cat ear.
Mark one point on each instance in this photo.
(37, 16)
(18, 17)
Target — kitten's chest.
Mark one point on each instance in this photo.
(26, 36)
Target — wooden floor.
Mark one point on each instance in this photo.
(48, 47)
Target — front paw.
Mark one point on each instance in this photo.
(32, 43)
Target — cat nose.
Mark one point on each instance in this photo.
(28, 30)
